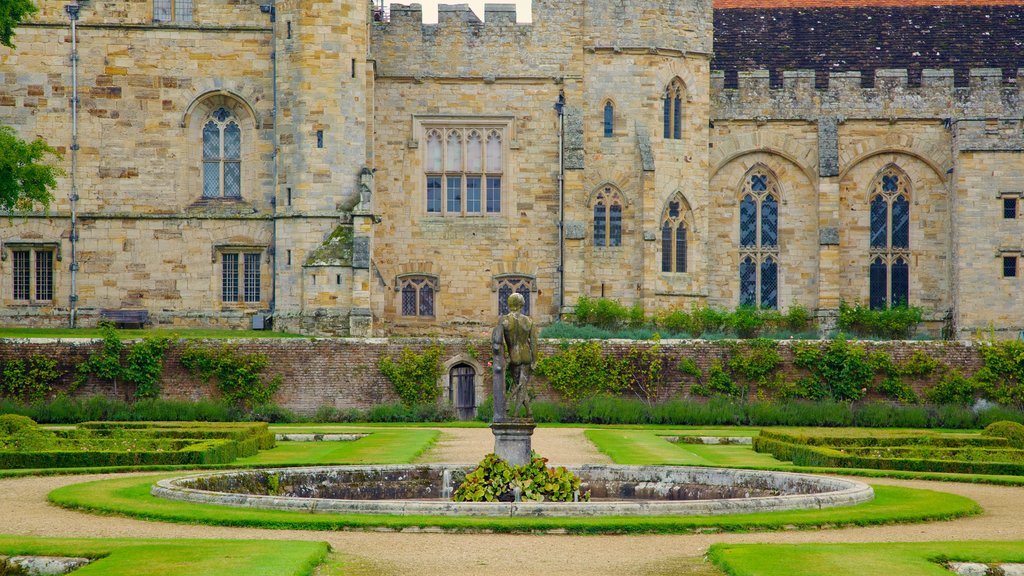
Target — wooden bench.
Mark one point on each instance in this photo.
(121, 318)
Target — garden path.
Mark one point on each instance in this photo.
(24, 510)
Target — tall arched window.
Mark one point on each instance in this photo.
(222, 155)
(609, 119)
(607, 218)
(507, 285)
(673, 235)
(759, 239)
(673, 110)
(890, 239)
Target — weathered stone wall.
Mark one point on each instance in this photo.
(343, 372)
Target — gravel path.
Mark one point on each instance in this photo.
(23, 510)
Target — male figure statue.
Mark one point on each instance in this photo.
(520, 335)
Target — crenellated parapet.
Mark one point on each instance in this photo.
(887, 94)
(207, 14)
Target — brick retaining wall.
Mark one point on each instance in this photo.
(343, 372)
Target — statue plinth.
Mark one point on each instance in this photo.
(512, 440)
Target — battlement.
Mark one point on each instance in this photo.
(884, 93)
(453, 14)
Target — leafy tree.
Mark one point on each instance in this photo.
(24, 177)
(12, 12)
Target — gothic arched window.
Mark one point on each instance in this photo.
(222, 155)
(417, 295)
(673, 235)
(609, 119)
(890, 239)
(759, 240)
(607, 218)
(507, 285)
(672, 101)
(464, 167)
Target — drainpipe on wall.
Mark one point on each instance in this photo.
(559, 109)
(271, 9)
(72, 11)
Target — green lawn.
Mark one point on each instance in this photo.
(147, 557)
(648, 447)
(380, 447)
(131, 497)
(904, 559)
(187, 333)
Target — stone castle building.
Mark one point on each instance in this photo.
(670, 153)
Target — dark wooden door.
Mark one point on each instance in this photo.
(462, 391)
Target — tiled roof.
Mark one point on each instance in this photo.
(868, 38)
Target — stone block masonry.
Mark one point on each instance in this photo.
(343, 373)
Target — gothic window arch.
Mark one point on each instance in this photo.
(674, 235)
(889, 246)
(222, 155)
(759, 239)
(609, 119)
(672, 105)
(417, 295)
(509, 284)
(608, 218)
(464, 167)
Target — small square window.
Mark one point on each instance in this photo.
(1009, 208)
(1009, 266)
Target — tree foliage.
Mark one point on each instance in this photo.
(12, 12)
(25, 178)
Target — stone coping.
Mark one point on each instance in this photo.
(825, 492)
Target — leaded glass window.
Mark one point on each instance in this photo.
(607, 218)
(759, 239)
(1009, 266)
(609, 120)
(241, 277)
(509, 285)
(222, 156)
(44, 275)
(229, 277)
(889, 245)
(417, 295)
(672, 102)
(251, 287)
(21, 273)
(673, 235)
(464, 167)
(1010, 208)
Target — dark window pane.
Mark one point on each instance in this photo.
(211, 141)
(769, 221)
(211, 179)
(232, 180)
(769, 284)
(183, 11)
(434, 194)
(494, 194)
(473, 195)
(759, 183)
(748, 221)
(524, 291)
(21, 274)
(229, 278)
(673, 209)
(668, 116)
(879, 222)
(677, 129)
(44, 275)
(900, 283)
(666, 247)
(681, 248)
(251, 284)
(1009, 208)
(504, 291)
(455, 193)
(426, 300)
(232, 142)
(600, 221)
(901, 223)
(748, 282)
(615, 226)
(408, 300)
(609, 119)
(161, 10)
(1010, 266)
(879, 284)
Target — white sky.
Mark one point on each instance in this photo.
(523, 8)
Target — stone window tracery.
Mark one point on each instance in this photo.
(672, 104)
(674, 235)
(464, 170)
(889, 250)
(417, 294)
(608, 218)
(759, 239)
(222, 155)
(507, 285)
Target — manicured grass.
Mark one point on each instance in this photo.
(646, 447)
(380, 447)
(147, 557)
(187, 333)
(131, 497)
(904, 559)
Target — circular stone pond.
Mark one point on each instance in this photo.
(425, 490)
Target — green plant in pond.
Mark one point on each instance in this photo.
(239, 377)
(29, 379)
(494, 480)
(414, 376)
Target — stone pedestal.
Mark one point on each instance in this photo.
(512, 441)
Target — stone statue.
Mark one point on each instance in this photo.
(514, 345)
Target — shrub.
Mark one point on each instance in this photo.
(11, 424)
(841, 370)
(239, 376)
(719, 383)
(746, 321)
(797, 318)
(579, 371)
(640, 372)
(1012, 431)
(1001, 378)
(29, 379)
(952, 388)
(495, 481)
(145, 363)
(895, 323)
(415, 376)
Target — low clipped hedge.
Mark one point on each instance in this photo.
(98, 444)
(896, 439)
(860, 457)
